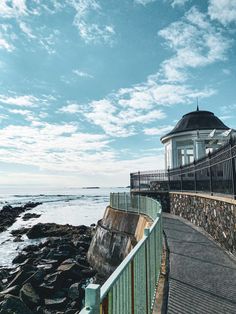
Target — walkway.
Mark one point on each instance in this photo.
(202, 277)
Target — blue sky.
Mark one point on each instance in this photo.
(87, 87)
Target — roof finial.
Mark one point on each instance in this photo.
(197, 105)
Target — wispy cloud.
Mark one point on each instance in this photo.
(158, 131)
(24, 101)
(13, 8)
(224, 11)
(178, 2)
(90, 31)
(52, 146)
(6, 45)
(71, 108)
(196, 43)
(144, 2)
(82, 74)
(27, 30)
(117, 121)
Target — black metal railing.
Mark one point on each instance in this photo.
(214, 174)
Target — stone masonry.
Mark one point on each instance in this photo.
(216, 215)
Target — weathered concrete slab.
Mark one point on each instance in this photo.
(202, 276)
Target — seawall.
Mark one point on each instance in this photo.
(116, 234)
(215, 214)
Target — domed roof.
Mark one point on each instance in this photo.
(198, 120)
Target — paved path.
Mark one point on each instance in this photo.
(202, 277)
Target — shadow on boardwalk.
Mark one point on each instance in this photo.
(202, 276)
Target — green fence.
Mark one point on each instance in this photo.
(131, 288)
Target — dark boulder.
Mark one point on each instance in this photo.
(30, 215)
(58, 303)
(29, 296)
(12, 304)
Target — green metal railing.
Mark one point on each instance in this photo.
(131, 288)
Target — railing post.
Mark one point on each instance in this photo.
(118, 205)
(92, 298)
(195, 176)
(139, 181)
(168, 174)
(233, 170)
(181, 179)
(138, 203)
(147, 268)
(210, 173)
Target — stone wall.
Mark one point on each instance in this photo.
(216, 215)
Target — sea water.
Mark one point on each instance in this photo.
(73, 206)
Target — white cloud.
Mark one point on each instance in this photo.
(27, 30)
(223, 10)
(196, 43)
(158, 131)
(88, 30)
(20, 112)
(144, 2)
(71, 108)
(82, 74)
(178, 2)
(52, 146)
(6, 45)
(117, 121)
(13, 8)
(24, 101)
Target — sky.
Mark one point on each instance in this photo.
(88, 87)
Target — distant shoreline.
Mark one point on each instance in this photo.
(91, 187)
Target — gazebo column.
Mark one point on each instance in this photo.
(200, 150)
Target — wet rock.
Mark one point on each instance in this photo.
(8, 214)
(20, 278)
(29, 296)
(46, 290)
(74, 291)
(30, 215)
(19, 232)
(12, 304)
(55, 303)
(18, 239)
(14, 290)
(20, 258)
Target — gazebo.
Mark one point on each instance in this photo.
(195, 135)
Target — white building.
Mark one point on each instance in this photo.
(195, 135)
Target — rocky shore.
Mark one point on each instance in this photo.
(50, 277)
(9, 214)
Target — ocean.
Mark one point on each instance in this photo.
(73, 206)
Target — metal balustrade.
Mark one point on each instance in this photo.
(214, 174)
(132, 286)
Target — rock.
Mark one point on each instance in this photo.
(31, 205)
(29, 295)
(14, 290)
(55, 303)
(30, 215)
(74, 291)
(70, 311)
(46, 290)
(20, 278)
(12, 304)
(19, 232)
(18, 239)
(20, 258)
(88, 273)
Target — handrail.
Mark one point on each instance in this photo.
(214, 173)
(132, 286)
